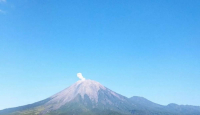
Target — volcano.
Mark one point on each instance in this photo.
(88, 97)
(85, 96)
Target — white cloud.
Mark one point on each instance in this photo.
(1, 11)
(2, 0)
(79, 75)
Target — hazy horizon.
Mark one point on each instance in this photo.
(135, 48)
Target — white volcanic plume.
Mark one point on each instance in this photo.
(79, 75)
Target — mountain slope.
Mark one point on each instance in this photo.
(91, 94)
(183, 109)
(88, 97)
(145, 103)
(171, 108)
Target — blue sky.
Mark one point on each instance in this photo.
(136, 48)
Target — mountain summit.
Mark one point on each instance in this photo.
(84, 89)
(88, 97)
(87, 93)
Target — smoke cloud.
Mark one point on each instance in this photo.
(79, 75)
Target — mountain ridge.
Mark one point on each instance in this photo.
(91, 98)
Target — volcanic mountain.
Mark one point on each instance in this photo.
(88, 97)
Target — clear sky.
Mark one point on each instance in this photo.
(134, 47)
